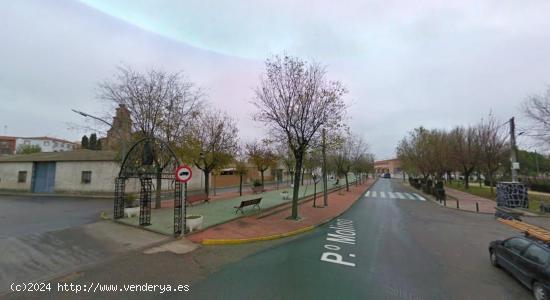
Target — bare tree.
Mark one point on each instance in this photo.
(466, 150)
(211, 143)
(493, 146)
(295, 100)
(160, 104)
(537, 110)
(262, 156)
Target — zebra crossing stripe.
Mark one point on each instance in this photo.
(419, 197)
(374, 193)
(392, 195)
(399, 195)
(367, 193)
(382, 195)
(410, 196)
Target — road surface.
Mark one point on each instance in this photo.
(396, 247)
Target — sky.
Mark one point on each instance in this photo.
(405, 63)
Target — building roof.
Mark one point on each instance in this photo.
(46, 138)
(386, 160)
(76, 155)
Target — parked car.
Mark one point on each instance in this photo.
(526, 259)
(387, 175)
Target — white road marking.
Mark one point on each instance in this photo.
(382, 195)
(392, 195)
(374, 194)
(410, 196)
(367, 193)
(399, 195)
(419, 197)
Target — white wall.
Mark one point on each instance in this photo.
(45, 145)
(9, 174)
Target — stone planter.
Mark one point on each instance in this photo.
(194, 222)
(131, 211)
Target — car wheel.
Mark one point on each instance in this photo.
(494, 260)
(539, 292)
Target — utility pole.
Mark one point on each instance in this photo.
(537, 162)
(325, 179)
(514, 156)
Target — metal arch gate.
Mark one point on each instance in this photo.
(145, 203)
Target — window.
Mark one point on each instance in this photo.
(86, 176)
(516, 245)
(22, 177)
(46, 143)
(537, 254)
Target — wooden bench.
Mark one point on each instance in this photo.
(507, 213)
(197, 198)
(245, 203)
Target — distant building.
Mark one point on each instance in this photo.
(392, 166)
(121, 129)
(7, 145)
(46, 144)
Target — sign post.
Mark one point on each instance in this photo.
(183, 175)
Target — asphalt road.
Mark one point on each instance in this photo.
(22, 215)
(402, 249)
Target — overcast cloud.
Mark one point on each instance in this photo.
(431, 63)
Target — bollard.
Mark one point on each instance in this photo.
(457, 204)
(477, 207)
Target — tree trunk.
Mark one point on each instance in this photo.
(490, 175)
(262, 172)
(157, 192)
(356, 179)
(241, 185)
(296, 190)
(207, 183)
(347, 183)
(303, 175)
(467, 179)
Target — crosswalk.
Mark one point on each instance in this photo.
(394, 195)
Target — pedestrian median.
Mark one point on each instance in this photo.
(274, 225)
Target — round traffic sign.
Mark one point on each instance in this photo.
(183, 173)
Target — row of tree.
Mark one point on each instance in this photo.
(294, 100)
(91, 143)
(482, 148)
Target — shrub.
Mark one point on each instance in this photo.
(256, 183)
(539, 185)
(130, 200)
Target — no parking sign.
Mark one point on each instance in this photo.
(183, 173)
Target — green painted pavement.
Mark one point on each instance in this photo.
(221, 211)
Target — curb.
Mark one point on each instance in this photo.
(279, 235)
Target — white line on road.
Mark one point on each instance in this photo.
(367, 193)
(419, 197)
(410, 196)
(374, 194)
(392, 195)
(382, 195)
(399, 195)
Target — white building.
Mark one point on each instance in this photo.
(47, 144)
(80, 171)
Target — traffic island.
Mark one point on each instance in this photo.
(274, 224)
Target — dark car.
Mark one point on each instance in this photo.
(527, 259)
(387, 175)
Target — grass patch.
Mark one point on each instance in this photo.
(534, 199)
(473, 189)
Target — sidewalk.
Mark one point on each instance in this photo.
(220, 209)
(276, 225)
(468, 201)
